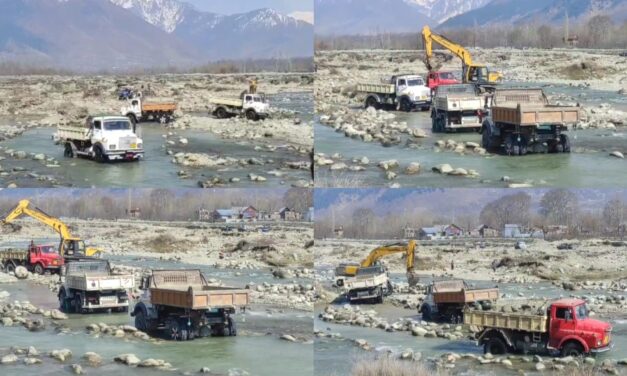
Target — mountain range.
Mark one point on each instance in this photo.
(346, 17)
(126, 34)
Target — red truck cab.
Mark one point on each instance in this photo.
(44, 257)
(436, 78)
(573, 332)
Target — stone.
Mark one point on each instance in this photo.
(30, 361)
(21, 272)
(55, 314)
(128, 359)
(540, 366)
(617, 154)
(388, 165)
(92, 358)
(287, 337)
(418, 331)
(8, 359)
(338, 166)
(61, 355)
(413, 168)
(148, 363)
(443, 168)
(77, 369)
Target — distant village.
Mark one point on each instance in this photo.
(251, 214)
(451, 231)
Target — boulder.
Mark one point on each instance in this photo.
(444, 168)
(413, 168)
(128, 359)
(21, 272)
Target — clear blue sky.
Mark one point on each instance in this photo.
(239, 6)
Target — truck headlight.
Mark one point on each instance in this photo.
(111, 147)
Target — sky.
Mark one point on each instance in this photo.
(239, 6)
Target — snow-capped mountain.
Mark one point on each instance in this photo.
(165, 14)
(441, 10)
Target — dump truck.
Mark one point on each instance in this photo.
(564, 327)
(370, 284)
(438, 78)
(447, 300)
(183, 305)
(37, 258)
(522, 121)
(139, 109)
(401, 92)
(252, 106)
(90, 285)
(457, 107)
(102, 138)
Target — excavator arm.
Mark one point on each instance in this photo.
(386, 250)
(459, 51)
(24, 208)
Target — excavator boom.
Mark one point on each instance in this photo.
(23, 208)
(386, 250)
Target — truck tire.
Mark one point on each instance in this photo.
(9, 267)
(252, 115)
(425, 310)
(64, 302)
(494, 346)
(221, 113)
(140, 320)
(185, 330)
(78, 304)
(99, 154)
(68, 152)
(573, 349)
(173, 329)
(565, 141)
(231, 327)
(405, 104)
(39, 269)
(372, 102)
(510, 147)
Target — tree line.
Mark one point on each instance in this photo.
(597, 32)
(557, 207)
(154, 204)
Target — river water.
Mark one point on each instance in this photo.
(249, 351)
(588, 165)
(157, 169)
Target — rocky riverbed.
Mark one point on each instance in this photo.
(279, 147)
(378, 136)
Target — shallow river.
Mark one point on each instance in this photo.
(587, 166)
(249, 351)
(157, 169)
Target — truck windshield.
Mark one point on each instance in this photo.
(415, 82)
(447, 76)
(581, 312)
(118, 125)
(258, 99)
(48, 249)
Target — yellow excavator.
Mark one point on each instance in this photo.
(471, 72)
(351, 270)
(69, 247)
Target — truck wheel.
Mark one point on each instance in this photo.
(78, 304)
(565, 142)
(522, 144)
(252, 115)
(173, 329)
(494, 346)
(221, 113)
(204, 331)
(39, 269)
(572, 349)
(9, 268)
(99, 154)
(510, 146)
(185, 330)
(405, 105)
(425, 310)
(63, 306)
(140, 321)
(372, 102)
(68, 152)
(232, 327)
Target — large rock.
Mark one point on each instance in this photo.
(8, 359)
(92, 359)
(61, 355)
(617, 154)
(444, 168)
(413, 168)
(58, 315)
(21, 272)
(128, 359)
(418, 331)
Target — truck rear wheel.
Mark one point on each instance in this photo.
(425, 310)
(99, 155)
(68, 152)
(572, 349)
(494, 346)
(64, 302)
(565, 142)
(140, 321)
(232, 327)
(78, 304)
(39, 269)
(221, 113)
(173, 329)
(405, 105)
(9, 267)
(372, 102)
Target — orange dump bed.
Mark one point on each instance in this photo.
(159, 107)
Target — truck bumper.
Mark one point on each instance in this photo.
(602, 349)
(125, 155)
(106, 305)
(422, 103)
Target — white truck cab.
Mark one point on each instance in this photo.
(103, 138)
(413, 87)
(402, 92)
(253, 106)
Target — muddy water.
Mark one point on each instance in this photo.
(157, 168)
(249, 351)
(587, 166)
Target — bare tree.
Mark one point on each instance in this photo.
(599, 29)
(559, 206)
(614, 213)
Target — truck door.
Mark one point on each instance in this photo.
(562, 324)
(248, 101)
(96, 130)
(401, 84)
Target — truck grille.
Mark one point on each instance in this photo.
(125, 142)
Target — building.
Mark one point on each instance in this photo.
(287, 214)
(485, 231)
(223, 215)
(430, 233)
(134, 213)
(453, 230)
(409, 233)
(246, 213)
